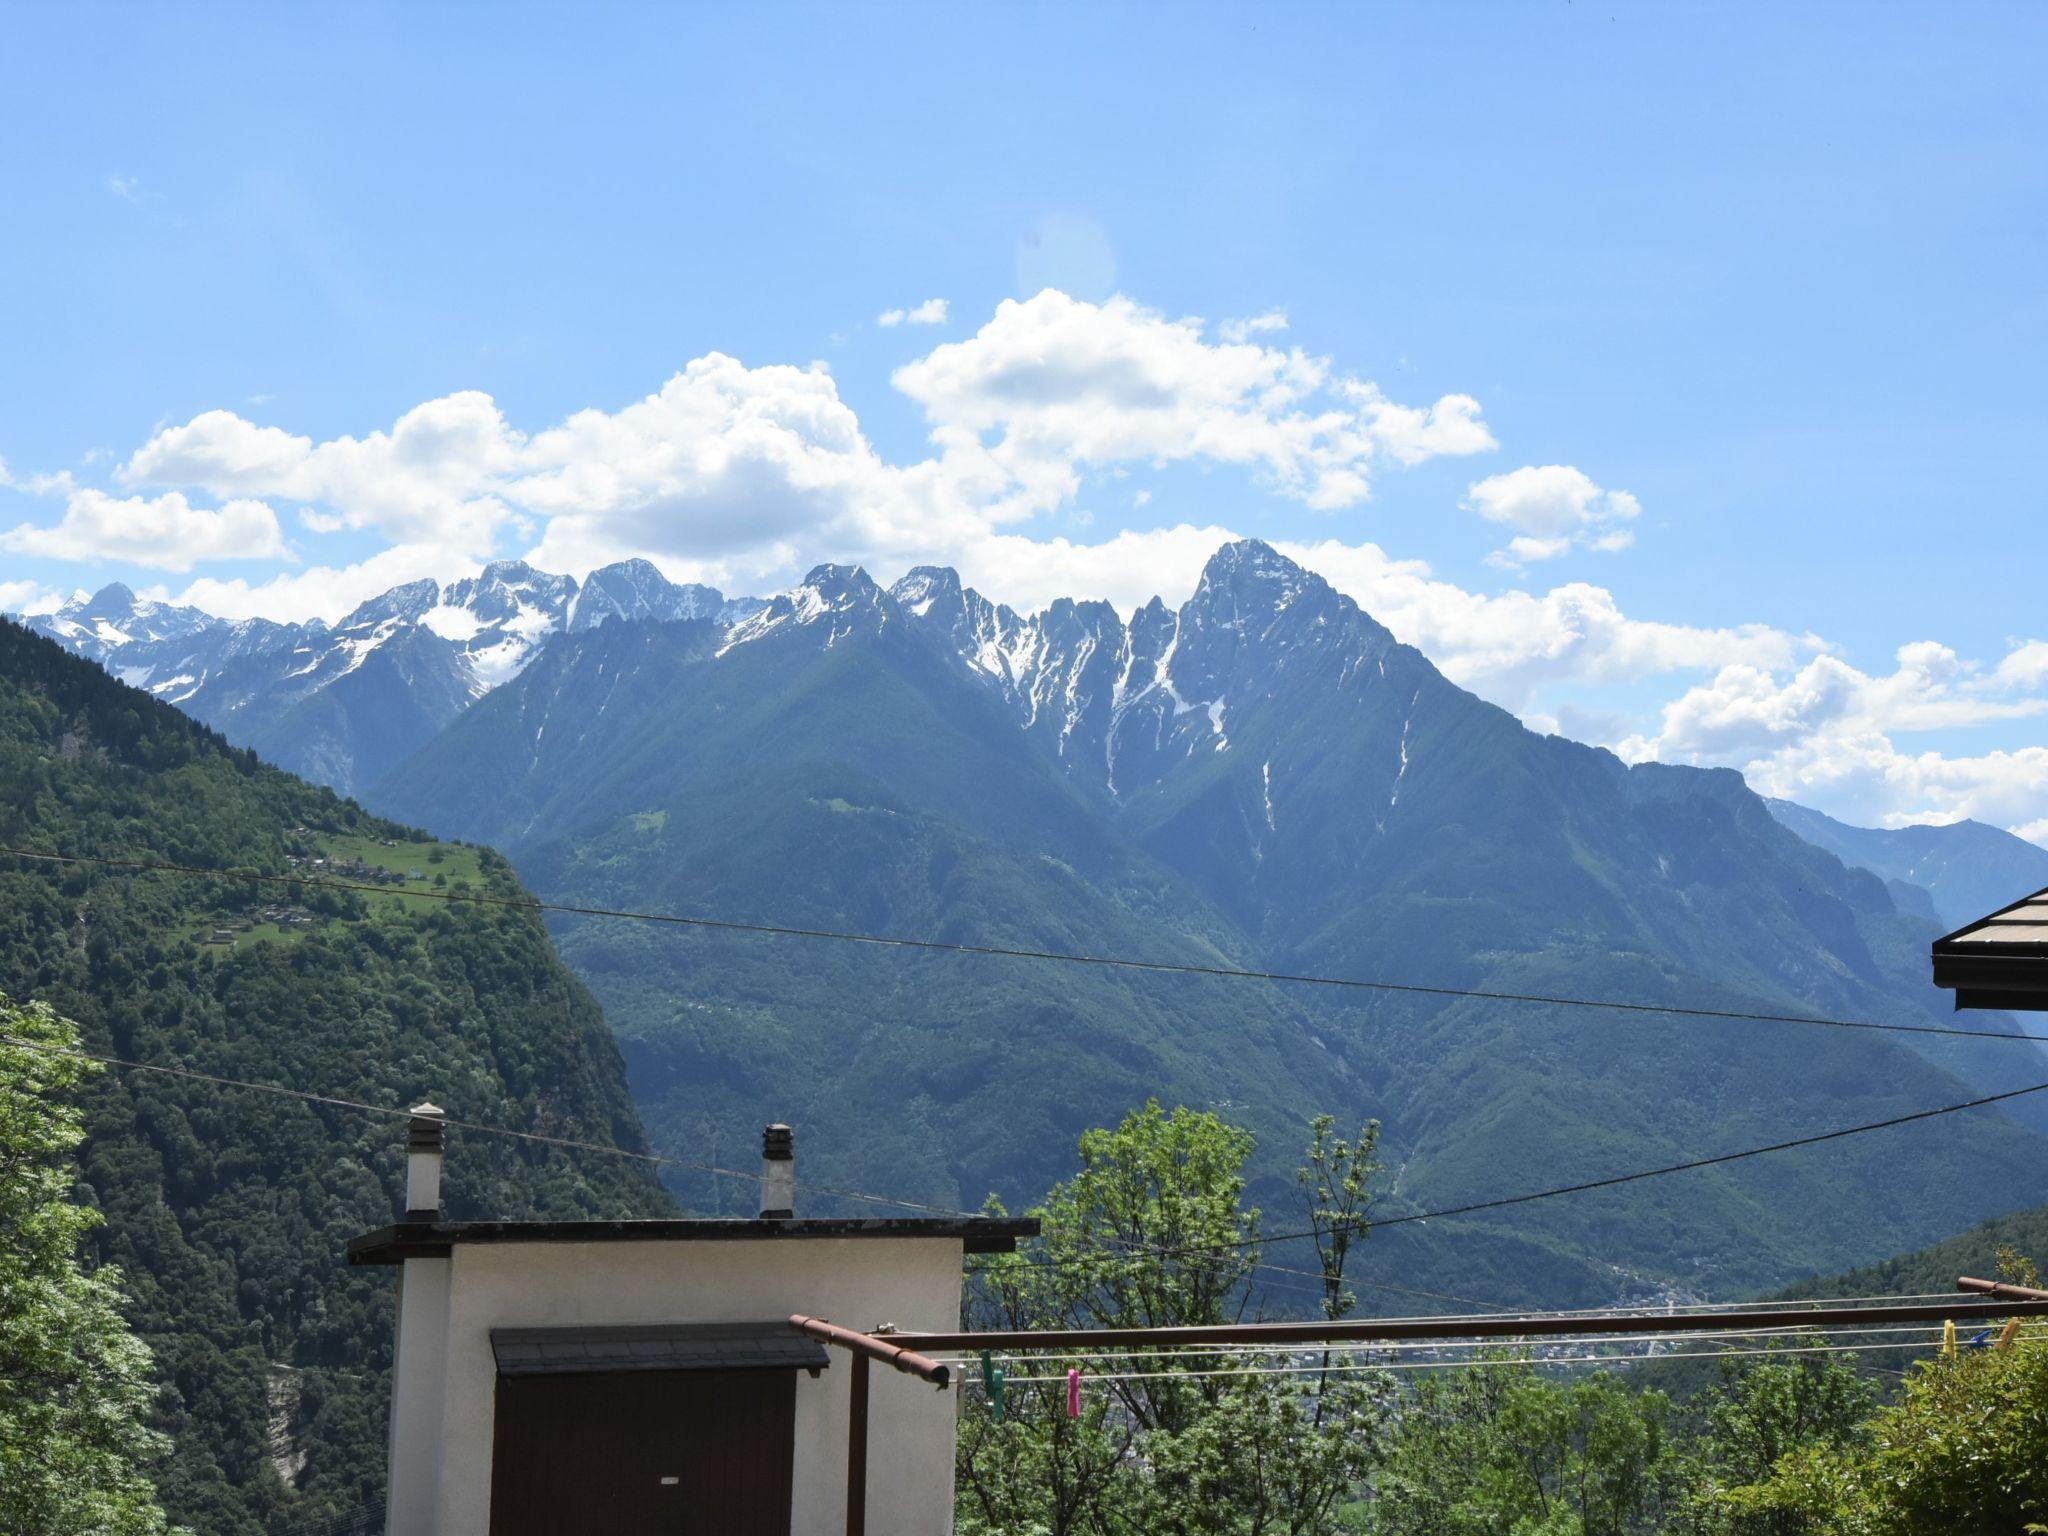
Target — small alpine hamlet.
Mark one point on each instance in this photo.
(1010, 770)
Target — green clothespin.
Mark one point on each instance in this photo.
(992, 1383)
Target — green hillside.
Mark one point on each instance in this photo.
(1935, 1268)
(228, 1209)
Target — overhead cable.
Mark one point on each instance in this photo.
(1162, 967)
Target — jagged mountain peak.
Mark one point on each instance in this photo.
(832, 601)
(838, 583)
(924, 587)
(636, 589)
(410, 603)
(113, 600)
(1251, 576)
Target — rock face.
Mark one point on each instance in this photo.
(342, 703)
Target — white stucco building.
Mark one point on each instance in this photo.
(642, 1375)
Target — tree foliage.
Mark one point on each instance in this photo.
(75, 1387)
(1152, 1232)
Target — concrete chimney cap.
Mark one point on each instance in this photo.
(428, 1107)
(778, 1143)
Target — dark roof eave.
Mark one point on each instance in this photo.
(1987, 972)
(2003, 981)
(437, 1239)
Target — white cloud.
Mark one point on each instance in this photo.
(2025, 665)
(1527, 549)
(745, 476)
(930, 312)
(1053, 386)
(27, 597)
(1825, 734)
(1555, 506)
(164, 532)
(748, 473)
(1253, 325)
(429, 479)
(1510, 647)
(127, 188)
(321, 592)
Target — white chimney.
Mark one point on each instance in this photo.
(778, 1173)
(423, 1163)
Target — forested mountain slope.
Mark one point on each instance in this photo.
(229, 1209)
(1263, 776)
(1934, 1268)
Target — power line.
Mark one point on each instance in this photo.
(576, 1144)
(1304, 1355)
(1625, 1178)
(1466, 1365)
(567, 1142)
(1163, 967)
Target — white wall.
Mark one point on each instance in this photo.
(418, 1396)
(859, 1282)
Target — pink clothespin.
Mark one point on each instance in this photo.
(1074, 1394)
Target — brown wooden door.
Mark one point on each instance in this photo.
(644, 1453)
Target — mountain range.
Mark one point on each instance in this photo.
(340, 703)
(1263, 777)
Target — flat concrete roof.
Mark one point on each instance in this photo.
(437, 1239)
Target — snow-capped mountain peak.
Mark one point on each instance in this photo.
(339, 703)
(832, 603)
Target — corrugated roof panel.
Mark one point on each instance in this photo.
(2008, 932)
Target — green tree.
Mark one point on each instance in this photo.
(1499, 1450)
(1964, 1449)
(75, 1392)
(1153, 1232)
(1754, 1417)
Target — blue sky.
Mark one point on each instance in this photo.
(1768, 281)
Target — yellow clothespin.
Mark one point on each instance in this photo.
(2007, 1334)
(1948, 1339)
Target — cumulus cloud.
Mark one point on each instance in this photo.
(1053, 386)
(430, 478)
(1555, 507)
(1826, 731)
(1253, 325)
(163, 532)
(27, 597)
(930, 312)
(749, 471)
(1511, 646)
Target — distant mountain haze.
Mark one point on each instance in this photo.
(1263, 777)
(1966, 868)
